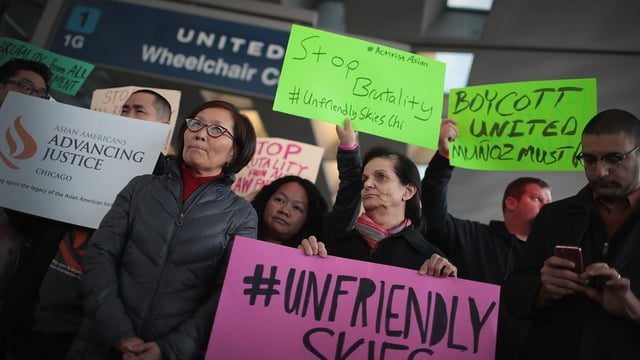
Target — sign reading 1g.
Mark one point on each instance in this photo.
(82, 20)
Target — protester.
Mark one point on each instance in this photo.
(30, 78)
(40, 301)
(482, 252)
(44, 303)
(25, 76)
(154, 267)
(292, 208)
(148, 105)
(387, 232)
(595, 313)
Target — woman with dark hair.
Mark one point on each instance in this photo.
(388, 230)
(289, 209)
(292, 208)
(154, 268)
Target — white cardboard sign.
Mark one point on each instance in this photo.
(68, 163)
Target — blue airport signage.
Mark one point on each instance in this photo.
(200, 47)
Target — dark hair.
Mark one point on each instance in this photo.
(11, 68)
(407, 172)
(160, 104)
(614, 121)
(317, 209)
(244, 136)
(518, 187)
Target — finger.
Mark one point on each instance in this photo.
(436, 267)
(448, 270)
(443, 268)
(615, 274)
(615, 278)
(425, 269)
(306, 248)
(347, 124)
(322, 250)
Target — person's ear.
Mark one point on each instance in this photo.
(510, 203)
(409, 191)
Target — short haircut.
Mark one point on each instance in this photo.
(244, 135)
(160, 104)
(614, 121)
(518, 187)
(316, 211)
(407, 172)
(11, 68)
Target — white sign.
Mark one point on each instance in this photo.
(275, 158)
(110, 100)
(68, 163)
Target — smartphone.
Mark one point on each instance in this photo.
(573, 253)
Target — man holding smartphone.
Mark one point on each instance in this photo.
(593, 314)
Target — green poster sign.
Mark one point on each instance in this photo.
(68, 74)
(384, 91)
(534, 125)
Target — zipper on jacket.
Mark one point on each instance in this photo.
(372, 251)
(145, 318)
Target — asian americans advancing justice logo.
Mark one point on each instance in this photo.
(29, 146)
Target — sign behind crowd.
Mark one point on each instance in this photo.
(68, 163)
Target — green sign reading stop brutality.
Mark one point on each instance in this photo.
(384, 91)
(535, 125)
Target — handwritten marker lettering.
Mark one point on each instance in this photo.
(258, 283)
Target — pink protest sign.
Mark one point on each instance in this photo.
(275, 158)
(277, 303)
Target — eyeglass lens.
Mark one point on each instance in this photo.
(213, 130)
(28, 89)
(609, 159)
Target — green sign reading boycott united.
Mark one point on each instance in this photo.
(534, 125)
(384, 91)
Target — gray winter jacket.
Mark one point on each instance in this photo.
(154, 267)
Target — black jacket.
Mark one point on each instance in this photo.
(40, 239)
(346, 207)
(155, 264)
(406, 249)
(481, 252)
(576, 327)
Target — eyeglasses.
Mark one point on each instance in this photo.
(215, 131)
(28, 88)
(611, 159)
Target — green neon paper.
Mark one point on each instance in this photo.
(534, 125)
(68, 74)
(384, 91)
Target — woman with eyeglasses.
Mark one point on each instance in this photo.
(155, 265)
